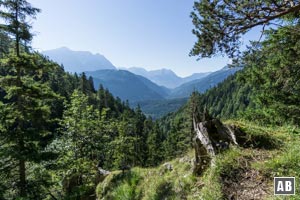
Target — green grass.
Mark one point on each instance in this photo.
(286, 164)
(272, 151)
(150, 183)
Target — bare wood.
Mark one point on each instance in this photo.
(211, 137)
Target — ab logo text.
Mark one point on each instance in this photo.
(284, 185)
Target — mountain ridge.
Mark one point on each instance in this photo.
(127, 85)
(78, 61)
(203, 84)
(165, 77)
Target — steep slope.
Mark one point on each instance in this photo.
(203, 84)
(164, 77)
(240, 172)
(159, 89)
(78, 61)
(195, 76)
(222, 95)
(127, 85)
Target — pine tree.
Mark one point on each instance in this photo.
(26, 110)
(154, 143)
(15, 13)
(219, 24)
(5, 43)
(273, 70)
(27, 115)
(123, 146)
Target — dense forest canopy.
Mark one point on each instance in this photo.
(56, 130)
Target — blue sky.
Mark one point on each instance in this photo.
(152, 34)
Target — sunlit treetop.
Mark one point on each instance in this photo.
(219, 24)
(16, 15)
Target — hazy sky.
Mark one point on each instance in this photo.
(152, 34)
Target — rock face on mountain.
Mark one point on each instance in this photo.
(78, 61)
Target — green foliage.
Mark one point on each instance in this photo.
(232, 167)
(26, 121)
(267, 89)
(128, 189)
(5, 43)
(154, 143)
(56, 130)
(285, 164)
(220, 24)
(15, 13)
(150, 183)
(123, 147)
(61, 129)
(273, 70)
(82, 125)
(159, 108)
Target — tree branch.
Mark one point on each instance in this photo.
(270, 18)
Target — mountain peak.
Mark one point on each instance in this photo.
(163, 71)
(78, 61)
(63, 48)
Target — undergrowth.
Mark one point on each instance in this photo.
(269, 151)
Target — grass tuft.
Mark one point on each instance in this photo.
(269, 151)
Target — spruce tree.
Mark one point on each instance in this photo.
(26, 120)
(15, 13)
(154, 141)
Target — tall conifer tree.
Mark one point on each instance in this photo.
(25, 120)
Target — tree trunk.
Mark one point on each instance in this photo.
(22, 173)
(211, 137)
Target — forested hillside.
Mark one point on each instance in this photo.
(127, 85)
(62, 137)
(203, 84)
(56, 128)
(263, 100)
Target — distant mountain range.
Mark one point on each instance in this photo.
(78, 61)
(165, 77)
(153, 90)
(128, 86)
(203, 84)
(132, 87)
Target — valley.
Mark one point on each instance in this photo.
(158, 92)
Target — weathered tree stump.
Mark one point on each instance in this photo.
(211, 137)
(101, 175)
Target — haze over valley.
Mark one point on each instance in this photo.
(136, 84)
